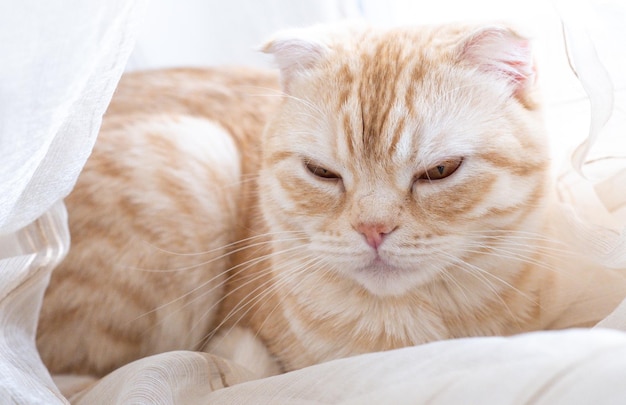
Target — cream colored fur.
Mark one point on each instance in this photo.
(393, 190)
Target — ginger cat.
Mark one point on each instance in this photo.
(393, 189)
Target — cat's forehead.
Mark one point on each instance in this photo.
(394, 107)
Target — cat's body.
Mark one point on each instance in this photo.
(400, 194)
(162, 178)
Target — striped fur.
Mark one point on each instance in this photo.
(310, 216)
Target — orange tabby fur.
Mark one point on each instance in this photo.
(374, 256)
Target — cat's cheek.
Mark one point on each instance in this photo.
(284, 214)
(275, 206)
(511, 200)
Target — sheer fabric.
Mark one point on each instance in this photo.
(61, 62)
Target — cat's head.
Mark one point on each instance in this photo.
(401, 154)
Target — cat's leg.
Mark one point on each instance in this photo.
(242, 346)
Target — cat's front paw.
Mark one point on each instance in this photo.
(242, 346)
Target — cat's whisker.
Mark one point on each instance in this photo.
(520, 234)
(254, 279)
(449, 277)
(276, 287)
(312, 264)
(482, 275)
(253, 297)
(517, 251)
(223, 247)
(536, 244)
(486, 273)
(490, 250)
(257, 275)
(522, 256)
(513, 244)
(240, 267)
(222, 256)
(546, 250)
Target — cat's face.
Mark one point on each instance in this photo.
(402, 155)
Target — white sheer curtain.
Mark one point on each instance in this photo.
(61, 60)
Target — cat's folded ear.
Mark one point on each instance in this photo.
(295, 51)
(504, 54)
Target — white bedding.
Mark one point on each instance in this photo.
(567, 367)
(45, 136)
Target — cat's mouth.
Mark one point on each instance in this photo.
(382, 278)
(382, 268)
(379, 261)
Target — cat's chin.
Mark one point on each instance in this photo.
(384, 280)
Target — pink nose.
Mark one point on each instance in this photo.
(374, 232)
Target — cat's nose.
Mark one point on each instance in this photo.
(374, 232)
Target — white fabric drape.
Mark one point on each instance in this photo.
(61, 60)
(548, 368)
(27, 258)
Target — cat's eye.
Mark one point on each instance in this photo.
(441, 170)
(321, 172)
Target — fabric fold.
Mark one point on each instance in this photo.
(27, 258)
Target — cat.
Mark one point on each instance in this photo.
(390, 187)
